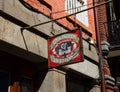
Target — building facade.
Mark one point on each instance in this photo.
(113, 24)
(24, 53)
(108, 28)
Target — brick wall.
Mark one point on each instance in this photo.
(59, 5)
(101, 19)
(91, 19)
(40, 6)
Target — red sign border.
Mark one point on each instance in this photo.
(80, 57)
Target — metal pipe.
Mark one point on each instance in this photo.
(100, 53)
(103, 3)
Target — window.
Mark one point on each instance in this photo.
(4, 81)
(73, 6)
(76, 83)
(26, 85)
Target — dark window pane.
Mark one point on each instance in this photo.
(26, 85)
(76, 83)
(4, 81)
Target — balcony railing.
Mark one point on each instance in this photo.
(114, 32)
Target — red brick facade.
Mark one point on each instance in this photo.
(101, 19)
(59, 5)
(91, 18)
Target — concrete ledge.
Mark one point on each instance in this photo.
(90, 51)
(114, 53)
(86, 67)
(12, 7)
(14, 50)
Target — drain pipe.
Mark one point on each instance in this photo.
(102, 77)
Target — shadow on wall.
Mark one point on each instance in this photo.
(19, 74)
(40, 77)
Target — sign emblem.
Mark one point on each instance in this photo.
(65, 49)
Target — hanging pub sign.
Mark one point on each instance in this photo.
(65, 49)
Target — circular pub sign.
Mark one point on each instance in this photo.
(65, 49)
